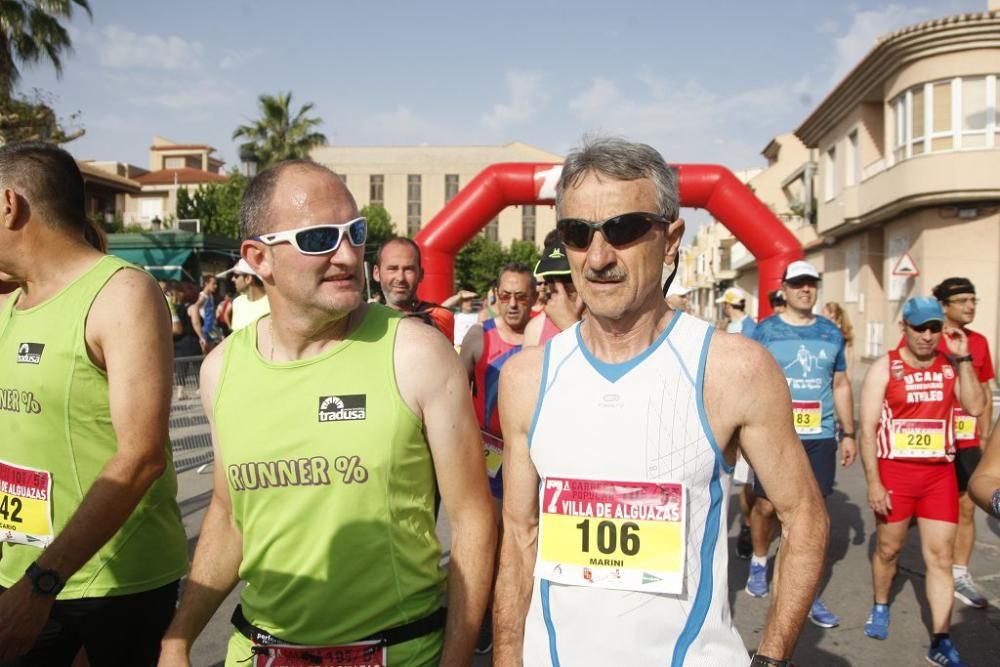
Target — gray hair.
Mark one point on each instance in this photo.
(625, 161)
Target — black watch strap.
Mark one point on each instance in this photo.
(764, 661)
(43, 581)
(964, 357)
(849, 434)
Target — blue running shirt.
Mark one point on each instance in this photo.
(809, 356)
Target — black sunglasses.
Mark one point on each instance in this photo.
(799, 283)
(618, 231)
(933, 326)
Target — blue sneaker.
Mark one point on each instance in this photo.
(822, 616)
(877, 625)
(945, 654)
(757, 585)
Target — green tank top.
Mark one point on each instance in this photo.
(55, 417)
(332, 487)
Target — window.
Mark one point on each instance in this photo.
(830, 174)
(852, 165)
(942, 139)
(852, 262)
(959, 113)
(974, 109)
(412, 204)
(528, 223)
(174, 163)
(493, 229)
(376, 189)
(450, 187)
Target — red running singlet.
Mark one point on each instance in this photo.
(486, 379)
(916, 422)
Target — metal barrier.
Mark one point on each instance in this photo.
(190, 437)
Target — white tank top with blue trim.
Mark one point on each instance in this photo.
(639, 421)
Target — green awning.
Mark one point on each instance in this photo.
(164, 263)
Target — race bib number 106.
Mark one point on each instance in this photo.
(620, 535)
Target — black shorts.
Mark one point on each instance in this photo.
(966, 461)
(823, 460)
(119, 631)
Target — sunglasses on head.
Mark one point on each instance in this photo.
(618, 231)
(933, 326)
(319, 239)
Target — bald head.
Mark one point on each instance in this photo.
(294, 182)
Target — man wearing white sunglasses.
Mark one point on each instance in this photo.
(324, 499)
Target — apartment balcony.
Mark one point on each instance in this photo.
(932, 179)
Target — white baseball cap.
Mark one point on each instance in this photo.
(801, 269)
(241, 266)
(676, 289)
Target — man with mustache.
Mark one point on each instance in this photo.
(397, 269)
(620, 439)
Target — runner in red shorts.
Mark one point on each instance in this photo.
(907, 448)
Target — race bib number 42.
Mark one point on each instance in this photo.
(25, 505)
(808, 417)
(620, 535)
(918, 438)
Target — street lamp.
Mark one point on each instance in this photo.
(248, 160)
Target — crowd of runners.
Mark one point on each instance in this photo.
(582, 441)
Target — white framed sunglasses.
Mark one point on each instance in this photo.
(320, 239)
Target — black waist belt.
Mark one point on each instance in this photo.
(397, 635)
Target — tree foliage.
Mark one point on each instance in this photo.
(31, 118)
(279, 134)
(217, 205)
(478, 264)
(30, 31)
(379, 229)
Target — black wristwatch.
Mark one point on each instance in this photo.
(764, 661)
(852, 434)
(966, 357)
(44, 582)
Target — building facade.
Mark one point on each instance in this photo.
(908, 157)
(413, 183)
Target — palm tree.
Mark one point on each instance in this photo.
(279, 135)
(30, 31)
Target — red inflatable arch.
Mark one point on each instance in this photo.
(706, 186)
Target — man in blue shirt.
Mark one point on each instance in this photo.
(810, 349)
(734, 307)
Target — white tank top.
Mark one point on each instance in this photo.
(642, 421)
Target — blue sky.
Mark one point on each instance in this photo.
(700, 81)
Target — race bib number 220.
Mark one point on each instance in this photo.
(612, 534)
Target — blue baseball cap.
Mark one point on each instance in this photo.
(922, 309)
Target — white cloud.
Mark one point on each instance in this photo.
(190, 95)
(233, 58)
(827, 27)
(121, 48)
(689, 122)
(866, 28)
(399, 126)
(527, 96)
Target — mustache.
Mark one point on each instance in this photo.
(609, 273)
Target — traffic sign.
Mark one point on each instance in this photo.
(906, 267)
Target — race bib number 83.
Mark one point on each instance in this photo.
(620, 535)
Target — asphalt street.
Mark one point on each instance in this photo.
(847, 592)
